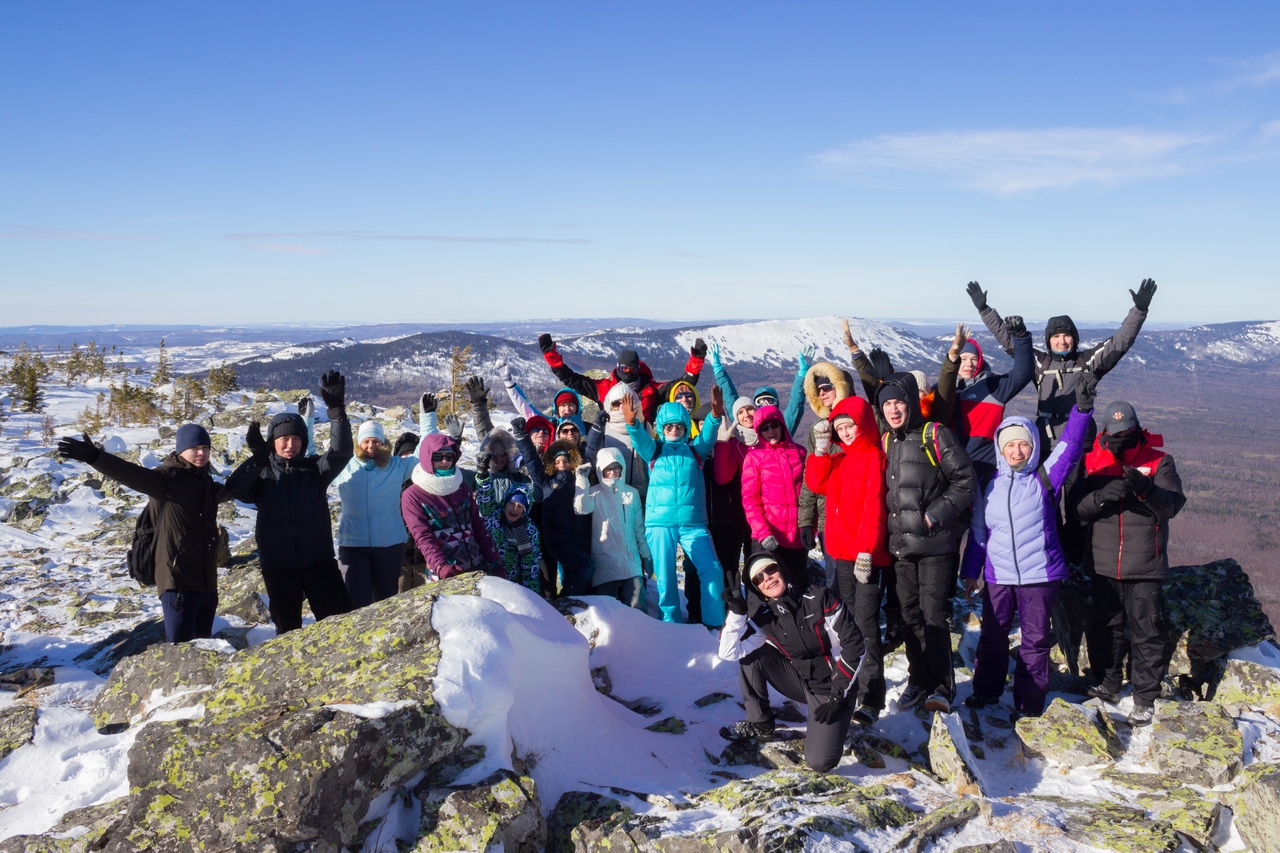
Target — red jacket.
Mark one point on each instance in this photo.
(771, 479)
(852, 479)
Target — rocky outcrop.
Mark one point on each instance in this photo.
(1196, 742)
(133, 691)
(17, 727)
(1245, 684)
(1256, 806)
(949, 754)
(1067, 734)
(291, 741)
(501, 813)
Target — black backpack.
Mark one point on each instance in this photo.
(141, 558)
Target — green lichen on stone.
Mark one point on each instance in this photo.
(668, 725)
(869, 806)
(1196, 741)
(1067, 734)
(1186, 810)
(17, 727)
(1111, 826)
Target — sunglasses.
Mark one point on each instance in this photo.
(569, 430)
(770, 426)
(684, 395)
(443, 456)
(771, 569)
(822, 389)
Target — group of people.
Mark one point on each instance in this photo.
(902, 491)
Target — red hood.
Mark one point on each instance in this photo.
(868, 436)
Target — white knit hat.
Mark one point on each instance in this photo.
(371, 429)
(1010, 433)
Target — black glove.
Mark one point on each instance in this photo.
(977, 294)
(81, 450)
(482, 463)
(428, 403)
(453, 426)
(333, 389)
(517, 427)
(257, 444)
(602, 418)
(881, 366)
(699, 348)
(806, 536)
(1113, 492)
(545, 343)
(1086, 391)
(1146, 290)
(1015, 325)
(306, 408)
(476, 390)
(733, 600)
(827, 711)
(1139, 483)
(407, 441)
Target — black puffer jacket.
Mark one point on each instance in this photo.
(800, 625)
(1130, 538)
(186, 525)
(926, 474)
(293, 527)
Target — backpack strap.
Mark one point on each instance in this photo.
(1044, 479)
(929, 443)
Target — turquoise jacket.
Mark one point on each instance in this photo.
(371, 502)
(677, 494)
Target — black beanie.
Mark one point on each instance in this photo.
(286, 423)
(890, 391)
(628, 358)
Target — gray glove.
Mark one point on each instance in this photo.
(769, 543)
(453, 426)
(306, 407)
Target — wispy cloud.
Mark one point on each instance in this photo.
(682, 253)
(35, 232)
(1007, 162)
(291, 248)
(1253, 73)
(408, 238)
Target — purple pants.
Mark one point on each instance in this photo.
(1033, 604)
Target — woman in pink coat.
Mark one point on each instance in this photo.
(772, 475)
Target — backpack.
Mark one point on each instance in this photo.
(141, 558)
(928, 442)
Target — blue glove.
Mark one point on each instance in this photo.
(805, 355)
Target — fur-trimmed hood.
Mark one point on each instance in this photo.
(549, 456)
(500, 437)
(838, 376)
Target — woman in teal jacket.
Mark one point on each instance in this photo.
(676, 506)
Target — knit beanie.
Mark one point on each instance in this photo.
(1013, 432)
(563, 394)
(971, 348)
(286, 423)
(628, 358)
(516, 496)
(890, 391)
(922, 384)
(371, 429)
(191, 435)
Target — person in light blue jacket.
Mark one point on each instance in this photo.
(676, 508)
(371, 530)
(1015, 559)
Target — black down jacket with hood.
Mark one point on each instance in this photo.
(293, 527)
(943, 487)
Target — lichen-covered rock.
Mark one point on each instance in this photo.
(243, 594)
(1246, 684)
(948, 758)
(272, 764)
(502, 812)
(936, 823)
(1256, 806)
(755, 800)
(163, 675)
(1067, 734)
(669, 725)
(1211, 610)
(1196, 742)
(1004, 845)
(1111, 826)
(776, 754)
(1187, 811)
(17, 727)
(579, 811)
(79, 831)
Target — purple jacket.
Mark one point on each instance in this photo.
(444, 520)
(1014, 534)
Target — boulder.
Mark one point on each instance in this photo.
(949, 755)
(103, 656)
(1210, 610)
(577, 813)
(1196, 742)
(17, 727)
(242, 593)
(1256, 806)
(501, 813)
(296, 737)
(1245, 684)
(1112, 826)
(1072, 735)
(163, 675)
(924, 833)
(1186, 810)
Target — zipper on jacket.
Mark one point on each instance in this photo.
(1013, 545)
(1120, 548)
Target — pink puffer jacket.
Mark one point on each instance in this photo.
(772, 475)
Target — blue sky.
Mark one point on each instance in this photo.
(271, 162)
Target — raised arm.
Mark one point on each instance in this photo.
(151, 482)
(1024, 362)
(1109, 353)
(479, 396)
(794, 412)
(995, 325)
(584, 385)
(721, 374)
(862, 366)
(692, 368)
(333, 390)
(427, 424)
(944, 397)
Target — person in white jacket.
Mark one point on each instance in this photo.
(618, 545)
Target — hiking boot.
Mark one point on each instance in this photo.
(1141, 715)
(1105, 692)
(977, 700)
(938, 702)
(747, 730)
(865, 716)
(912, 696)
